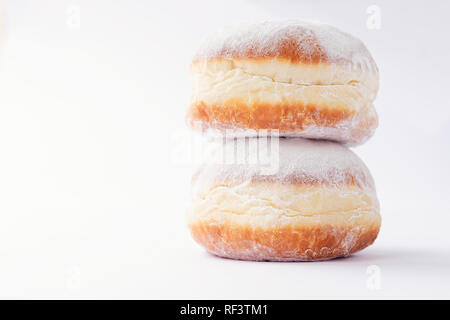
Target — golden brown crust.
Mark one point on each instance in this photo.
(284, 117)
(302, 179)
(296, 243)
(287, 118)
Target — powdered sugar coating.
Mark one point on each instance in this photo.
(296, 40)
(293, 160)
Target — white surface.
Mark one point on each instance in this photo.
(91, 205)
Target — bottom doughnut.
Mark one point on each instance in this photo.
(290, 243)
(320, 204)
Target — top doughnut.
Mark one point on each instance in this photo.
(296, 41)
(301, 78)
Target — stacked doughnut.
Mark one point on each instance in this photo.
(313, 85)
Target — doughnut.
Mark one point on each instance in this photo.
(319, 203)
(304, 79)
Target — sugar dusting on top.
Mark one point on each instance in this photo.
(293, 159)
(298, 40)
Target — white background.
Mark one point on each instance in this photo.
(92, 205)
